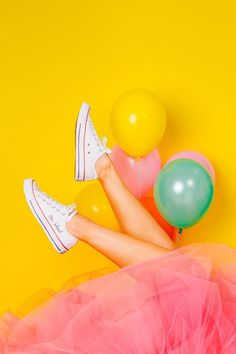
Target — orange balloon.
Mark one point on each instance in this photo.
(148, 202)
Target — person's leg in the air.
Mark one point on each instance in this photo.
(92, 162)
(64, 227)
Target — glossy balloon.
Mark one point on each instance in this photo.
(138, 121)
(183, 192)
(93, 203)
(196, 156)
(138, 174)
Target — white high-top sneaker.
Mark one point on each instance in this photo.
(88, 146)
(51, 215)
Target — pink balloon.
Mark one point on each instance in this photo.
(196, 156)
(138, 174)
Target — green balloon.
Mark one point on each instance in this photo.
(183, 192)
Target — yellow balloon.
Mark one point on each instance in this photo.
(138, 122)
(93, 203)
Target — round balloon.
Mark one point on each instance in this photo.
(196, 156)
(138, 121)
(93, 203)
(183, 192)
(138, 174)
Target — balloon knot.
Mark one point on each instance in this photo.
(180, 231)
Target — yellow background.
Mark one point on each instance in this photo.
(54, 55)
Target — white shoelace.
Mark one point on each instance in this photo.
(64, 209)
(94, 132)
(103, 141)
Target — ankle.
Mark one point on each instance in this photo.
(72, 226)
(103, 166)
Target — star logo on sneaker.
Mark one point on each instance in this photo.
(57, 226)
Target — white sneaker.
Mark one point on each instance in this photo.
(51, 215)
(88, 147)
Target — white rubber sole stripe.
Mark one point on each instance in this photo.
(79, 141)
(44, 227)
(40, 217)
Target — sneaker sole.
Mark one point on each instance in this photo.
(79, 142)
(41, 218)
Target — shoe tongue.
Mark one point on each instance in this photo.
(71, 207)
(71, 214)
(104, 142)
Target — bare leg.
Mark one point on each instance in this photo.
(120, 248)
(133, 218)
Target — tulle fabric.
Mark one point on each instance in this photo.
(183, 302)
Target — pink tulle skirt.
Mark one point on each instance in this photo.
(182, 302)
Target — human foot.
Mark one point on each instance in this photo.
(51, 215)
(88, 146)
